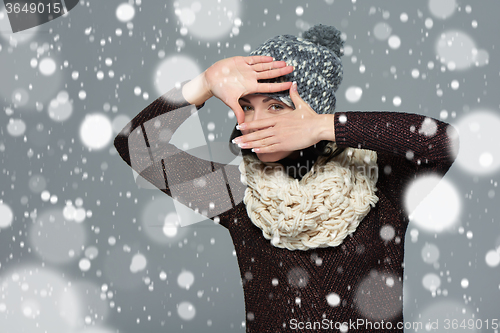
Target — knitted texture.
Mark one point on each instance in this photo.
(321, 209)
(318, 68)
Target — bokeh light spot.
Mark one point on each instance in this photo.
(6, 215)
(479, 138)
(38, 299)
(186, 311)
(394, 42)
(60, 108)
(96, 131)
(119, 123)
(174, 70)
(333, 299)
(138, 263)
(208, 19)
(47, 66)
(55, 238)
(452, 310)
(84, 264)
(458, 51)
(16, 127)
(37, 183)
(298, 277)
(382, 31)
(125, 12)
(492, 258)
(160, 223)
(185, 279)
(442, 9)
(387, 232)
(435, 211)
(353, 94)
(379, 296)
(430, 253)
(431, 281)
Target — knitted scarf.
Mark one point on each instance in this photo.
(321, 209)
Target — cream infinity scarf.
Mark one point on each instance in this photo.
(321, 209)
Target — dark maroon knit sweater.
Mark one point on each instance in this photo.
(286, 291)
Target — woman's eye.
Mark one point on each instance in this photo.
(246, 107)
(277, 107)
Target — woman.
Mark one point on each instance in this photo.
(320, 246)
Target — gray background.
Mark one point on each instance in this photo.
(116, 270)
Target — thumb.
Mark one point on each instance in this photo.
(238, 111)
(294, 95)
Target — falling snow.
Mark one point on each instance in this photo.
(88, 246)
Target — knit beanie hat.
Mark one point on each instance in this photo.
(318, 68)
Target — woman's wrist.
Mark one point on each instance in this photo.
(197, 90)
(326, 129)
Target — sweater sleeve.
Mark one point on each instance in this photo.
(408, 146)
(207, 187)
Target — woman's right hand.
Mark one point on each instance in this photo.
(231, 78)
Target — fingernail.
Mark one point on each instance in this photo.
(242, 126)
(238, 127)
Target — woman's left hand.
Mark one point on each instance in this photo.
(294, 130)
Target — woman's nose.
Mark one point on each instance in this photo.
(258, 114)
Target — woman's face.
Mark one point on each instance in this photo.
(260, 107)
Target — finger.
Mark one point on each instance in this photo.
(238, 112)
(272, 87)
(257, 140)
(264, 142)
(258, 135)
(236, 108)
(259, 125)
(265, 66)
(294, 94)
(274, 73)
(273, 148)
(251, 60)
(297, 100)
